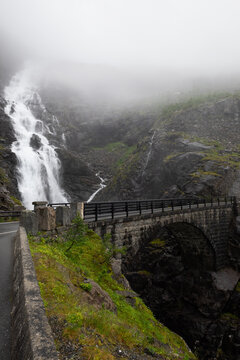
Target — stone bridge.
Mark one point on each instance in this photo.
(213, 223)
(204, 227)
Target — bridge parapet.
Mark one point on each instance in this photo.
(214, 222)
(130, 222)
(97, 211)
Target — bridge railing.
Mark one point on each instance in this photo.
(54, 205)
(98, 210)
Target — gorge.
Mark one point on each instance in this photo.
(59, 149)
(120, 168)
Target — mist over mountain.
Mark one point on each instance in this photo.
(105, 100)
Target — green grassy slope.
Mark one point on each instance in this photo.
(96, 323)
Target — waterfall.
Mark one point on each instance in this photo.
(102, 185)
(149, 152)
(38, 164)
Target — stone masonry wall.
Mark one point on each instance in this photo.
(213, 222)
(31, 332)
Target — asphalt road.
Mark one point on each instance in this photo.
(7, 233)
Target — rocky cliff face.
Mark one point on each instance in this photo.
(8, 177)
(174, 272)
(96, 139)
(183, 150)
(191, 151)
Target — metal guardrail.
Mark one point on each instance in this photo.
(95, 211)
(54, 205)
(7, 214)
(125, 208)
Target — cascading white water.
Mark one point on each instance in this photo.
(101, 186)
(149, 152)
(39, 166)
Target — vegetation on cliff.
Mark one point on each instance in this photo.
(90, 315)
(194, 152)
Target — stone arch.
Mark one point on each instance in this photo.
(206, 232)
(195, 242)
(197, 249)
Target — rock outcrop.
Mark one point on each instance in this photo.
(8, 177)
(174, 273)
(194, 152)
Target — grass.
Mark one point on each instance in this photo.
(205, 141)
(200, 173)
(230, 317)
(8, 219)
(122, 151)
(215, 154)
(3, 177)
(15, 200)
(158, 243)
(110, 147)
(126, 166)
(127, 153)
(228, 159)
(62, 269)
(191, 103)
(171, 156)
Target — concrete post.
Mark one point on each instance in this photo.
(46, 218)
(77, 208)
(38, 204)
(63, 216)
(29, 221)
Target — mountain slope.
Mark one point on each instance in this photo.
(194, 152)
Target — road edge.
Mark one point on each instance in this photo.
(31, 331)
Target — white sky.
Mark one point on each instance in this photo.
(178, 34)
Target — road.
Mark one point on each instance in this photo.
(7, 233)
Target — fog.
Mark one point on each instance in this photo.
(145, 42)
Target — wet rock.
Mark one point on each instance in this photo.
(226, 279)
(130, 296)
(79, 180)
(98, 297)
(195, 145)
(6, 203)
(185, 293)
(8, 161)
(116, 266)
(35, 142)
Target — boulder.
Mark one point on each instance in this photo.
(35, 142)
(116, 266)
(98, 297)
